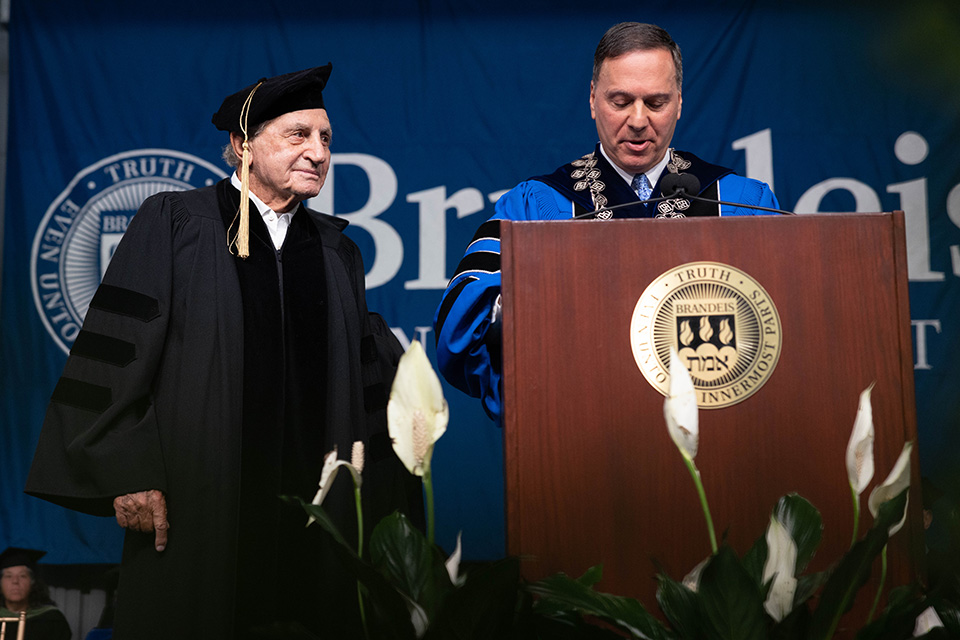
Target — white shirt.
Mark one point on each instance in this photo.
(653, 174)
(276, 223)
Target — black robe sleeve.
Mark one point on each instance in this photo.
(100, 436)
(51, 625)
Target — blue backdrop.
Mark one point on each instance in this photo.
(438, 107)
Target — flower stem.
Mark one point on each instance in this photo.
(428, 492)
(359, 505)
(695, 474)
(883, 578)
(363, 613)
(856, 515)
(356, 499)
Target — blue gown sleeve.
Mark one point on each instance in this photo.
(468, 341)
(734, 188)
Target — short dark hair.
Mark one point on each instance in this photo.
(626, 37)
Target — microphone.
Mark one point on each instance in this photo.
(682, 185)
(595, 212)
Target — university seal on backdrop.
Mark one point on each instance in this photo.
(82, 227)
(722, 323)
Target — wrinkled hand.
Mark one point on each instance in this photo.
(144, 511)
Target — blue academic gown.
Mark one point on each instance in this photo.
(468, 341)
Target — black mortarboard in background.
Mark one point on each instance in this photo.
(14, 557)
(274, 97)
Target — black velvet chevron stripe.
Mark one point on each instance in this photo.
(96, 346)
(486, 261)
(368, 349)
(125, 302)
(82, 395)
(489, 230)
(448, 301)
(375, 397)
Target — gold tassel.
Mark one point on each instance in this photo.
(242, 240)
(243, 233)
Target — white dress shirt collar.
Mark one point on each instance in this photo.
(277, 224)
(652, 175)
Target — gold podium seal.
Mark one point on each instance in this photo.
(722, 323)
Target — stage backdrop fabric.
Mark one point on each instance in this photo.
(437, 108)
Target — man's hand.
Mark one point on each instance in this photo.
(144, 511)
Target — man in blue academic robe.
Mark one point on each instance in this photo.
(635, 100)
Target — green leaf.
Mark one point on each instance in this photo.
(807, 585)
(484, 606)
(540, 627)
(754, 560)
(591, 576)
(682, 607)
(413, 566)
(805, 525)
(895, 622)
(321, 517)
(731, 598)
(562, 593)
(853, 571)
(950, 617)
(387, 614)
(792, 627)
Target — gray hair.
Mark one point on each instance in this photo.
(229, 155)
(626, 37)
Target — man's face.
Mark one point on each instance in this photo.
(15, 584)
(636, 104)
(290, 158)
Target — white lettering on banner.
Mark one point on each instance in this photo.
(910, 148)
(387, 243)
(953, 212)
(921, 327)
(758, 152)
(913, 201)
(865, 198)
(76, 238)
(419, 332)
(145, 167)
(388, 246)
(433, 231)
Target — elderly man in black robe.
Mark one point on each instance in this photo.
(227, 349)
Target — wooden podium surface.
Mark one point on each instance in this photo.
(592, 476)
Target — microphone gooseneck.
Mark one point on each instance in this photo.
(681, 185)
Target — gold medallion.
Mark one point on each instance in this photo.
(722, 323)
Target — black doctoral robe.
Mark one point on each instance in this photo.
(45, 622)
(192, 375)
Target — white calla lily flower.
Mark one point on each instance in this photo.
(453, 562)
(328, 474)
(780, 566)
(680, 408)
(417, 413)
(926, 622)
(692, 580)
(860, 447)
(896, 482)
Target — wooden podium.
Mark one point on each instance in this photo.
(592, 476)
